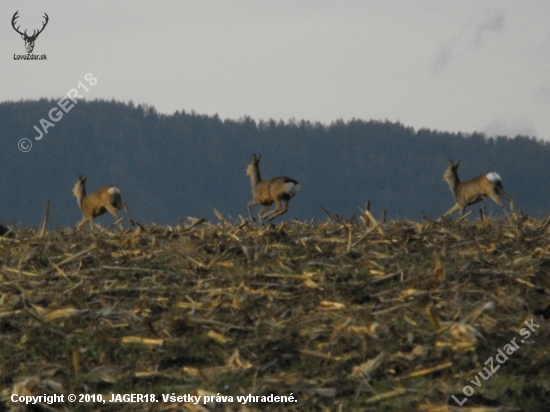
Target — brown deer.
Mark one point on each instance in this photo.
(270, 191)
(107, 199)
(476, 190)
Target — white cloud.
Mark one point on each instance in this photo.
(502, 127)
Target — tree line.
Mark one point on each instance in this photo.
(186, 164)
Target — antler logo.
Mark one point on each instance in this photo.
(29, 40)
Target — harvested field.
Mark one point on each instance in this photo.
(396, 317)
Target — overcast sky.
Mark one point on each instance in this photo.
(468, 65)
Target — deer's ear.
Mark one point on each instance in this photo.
(23, 36)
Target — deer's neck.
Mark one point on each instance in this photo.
(80, 196)
(255, 177)
(454, 182)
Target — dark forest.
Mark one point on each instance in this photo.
(186, 164)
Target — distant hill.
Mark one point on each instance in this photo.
(184, 164)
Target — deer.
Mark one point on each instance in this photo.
(29, 40)
(476, 190)
(107, 199)
(266, 192)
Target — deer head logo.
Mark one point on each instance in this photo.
(29, 40)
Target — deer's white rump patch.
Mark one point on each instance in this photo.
(113, 190)
(292, 189)
(493, 177)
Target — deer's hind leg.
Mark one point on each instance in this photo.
(124, 206)
(280, 211)
(112, 209)
(497, 200)
(278, 207)
(502, 193)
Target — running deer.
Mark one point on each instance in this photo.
(267, 192)
(476, 190)
(104, 200)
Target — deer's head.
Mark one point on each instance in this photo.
(452, 171)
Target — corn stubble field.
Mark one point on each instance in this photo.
(343, 316)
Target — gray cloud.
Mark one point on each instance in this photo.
(543, 94)
(471, 35)
(494, 23)
(444, 57)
